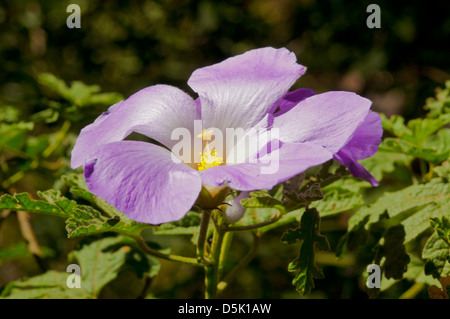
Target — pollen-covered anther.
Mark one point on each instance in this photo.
(208, 158)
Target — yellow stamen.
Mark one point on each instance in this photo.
(206, 135)
(209, 157)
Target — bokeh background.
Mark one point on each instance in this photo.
(126, 46)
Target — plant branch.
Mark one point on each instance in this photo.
(242, 264)
(155, 253)
(212, 269)
(28, 234)
(226, 244)
(271, 220)
(204, 223)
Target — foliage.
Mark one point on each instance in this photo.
(101, 262)
(304, 265)
(395, 224)
(402, 226)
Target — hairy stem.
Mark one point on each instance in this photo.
(226, 244)
(204, 223)
(242, 264)
(155, 253)
(212, 269)
(271, 220)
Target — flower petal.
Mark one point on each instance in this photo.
(141, 180)
(271, 169)
(290, 100)
(154, 111)
(327, 119)
(364, 143)
(238, 92)
(354, 167)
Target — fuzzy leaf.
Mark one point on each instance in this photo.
(393, 250)
(437, 254)
(81, 220)
(100, 263)
(411, 206)
(51, 285)
(304, 265)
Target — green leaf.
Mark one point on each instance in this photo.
(443, 170)
(395, 145)
(384, 162)
(440, 105)
(260, 200)
(395, 125)
(87, 221)
(23, 202)
(336, 202)
(418, 138)
(100, 262)
(51, 285)
(81, 220)
(304, 265)
(21, 250)
(9, 114)
(411, 206)
(55, 84)
(262, 206)
(79, 94)
(437, 254)
(393, 251)
(416, 131)
(14, 135)
(188, 225)
(442, 228)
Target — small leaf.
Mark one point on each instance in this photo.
(188, 225)
(439, 105)
(21, 250)
(52, 82)
(51, 285)
(437, 253)
(336, 202)
(22, 201)
(100, 262)
(260, 200)
(442, 228)
(304, 265)
(81, 220)
(443, 170)
(411, 206)
(394, 252)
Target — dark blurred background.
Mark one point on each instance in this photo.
(126, 46)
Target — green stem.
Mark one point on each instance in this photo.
(226, 244)
(242, 264)
(60, 137)
(212, 269)
(204, 223)
(412, 292)
(155, 253)
(272, 220)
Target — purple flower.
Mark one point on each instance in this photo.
(246, 91)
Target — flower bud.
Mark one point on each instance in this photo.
(235, 211)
